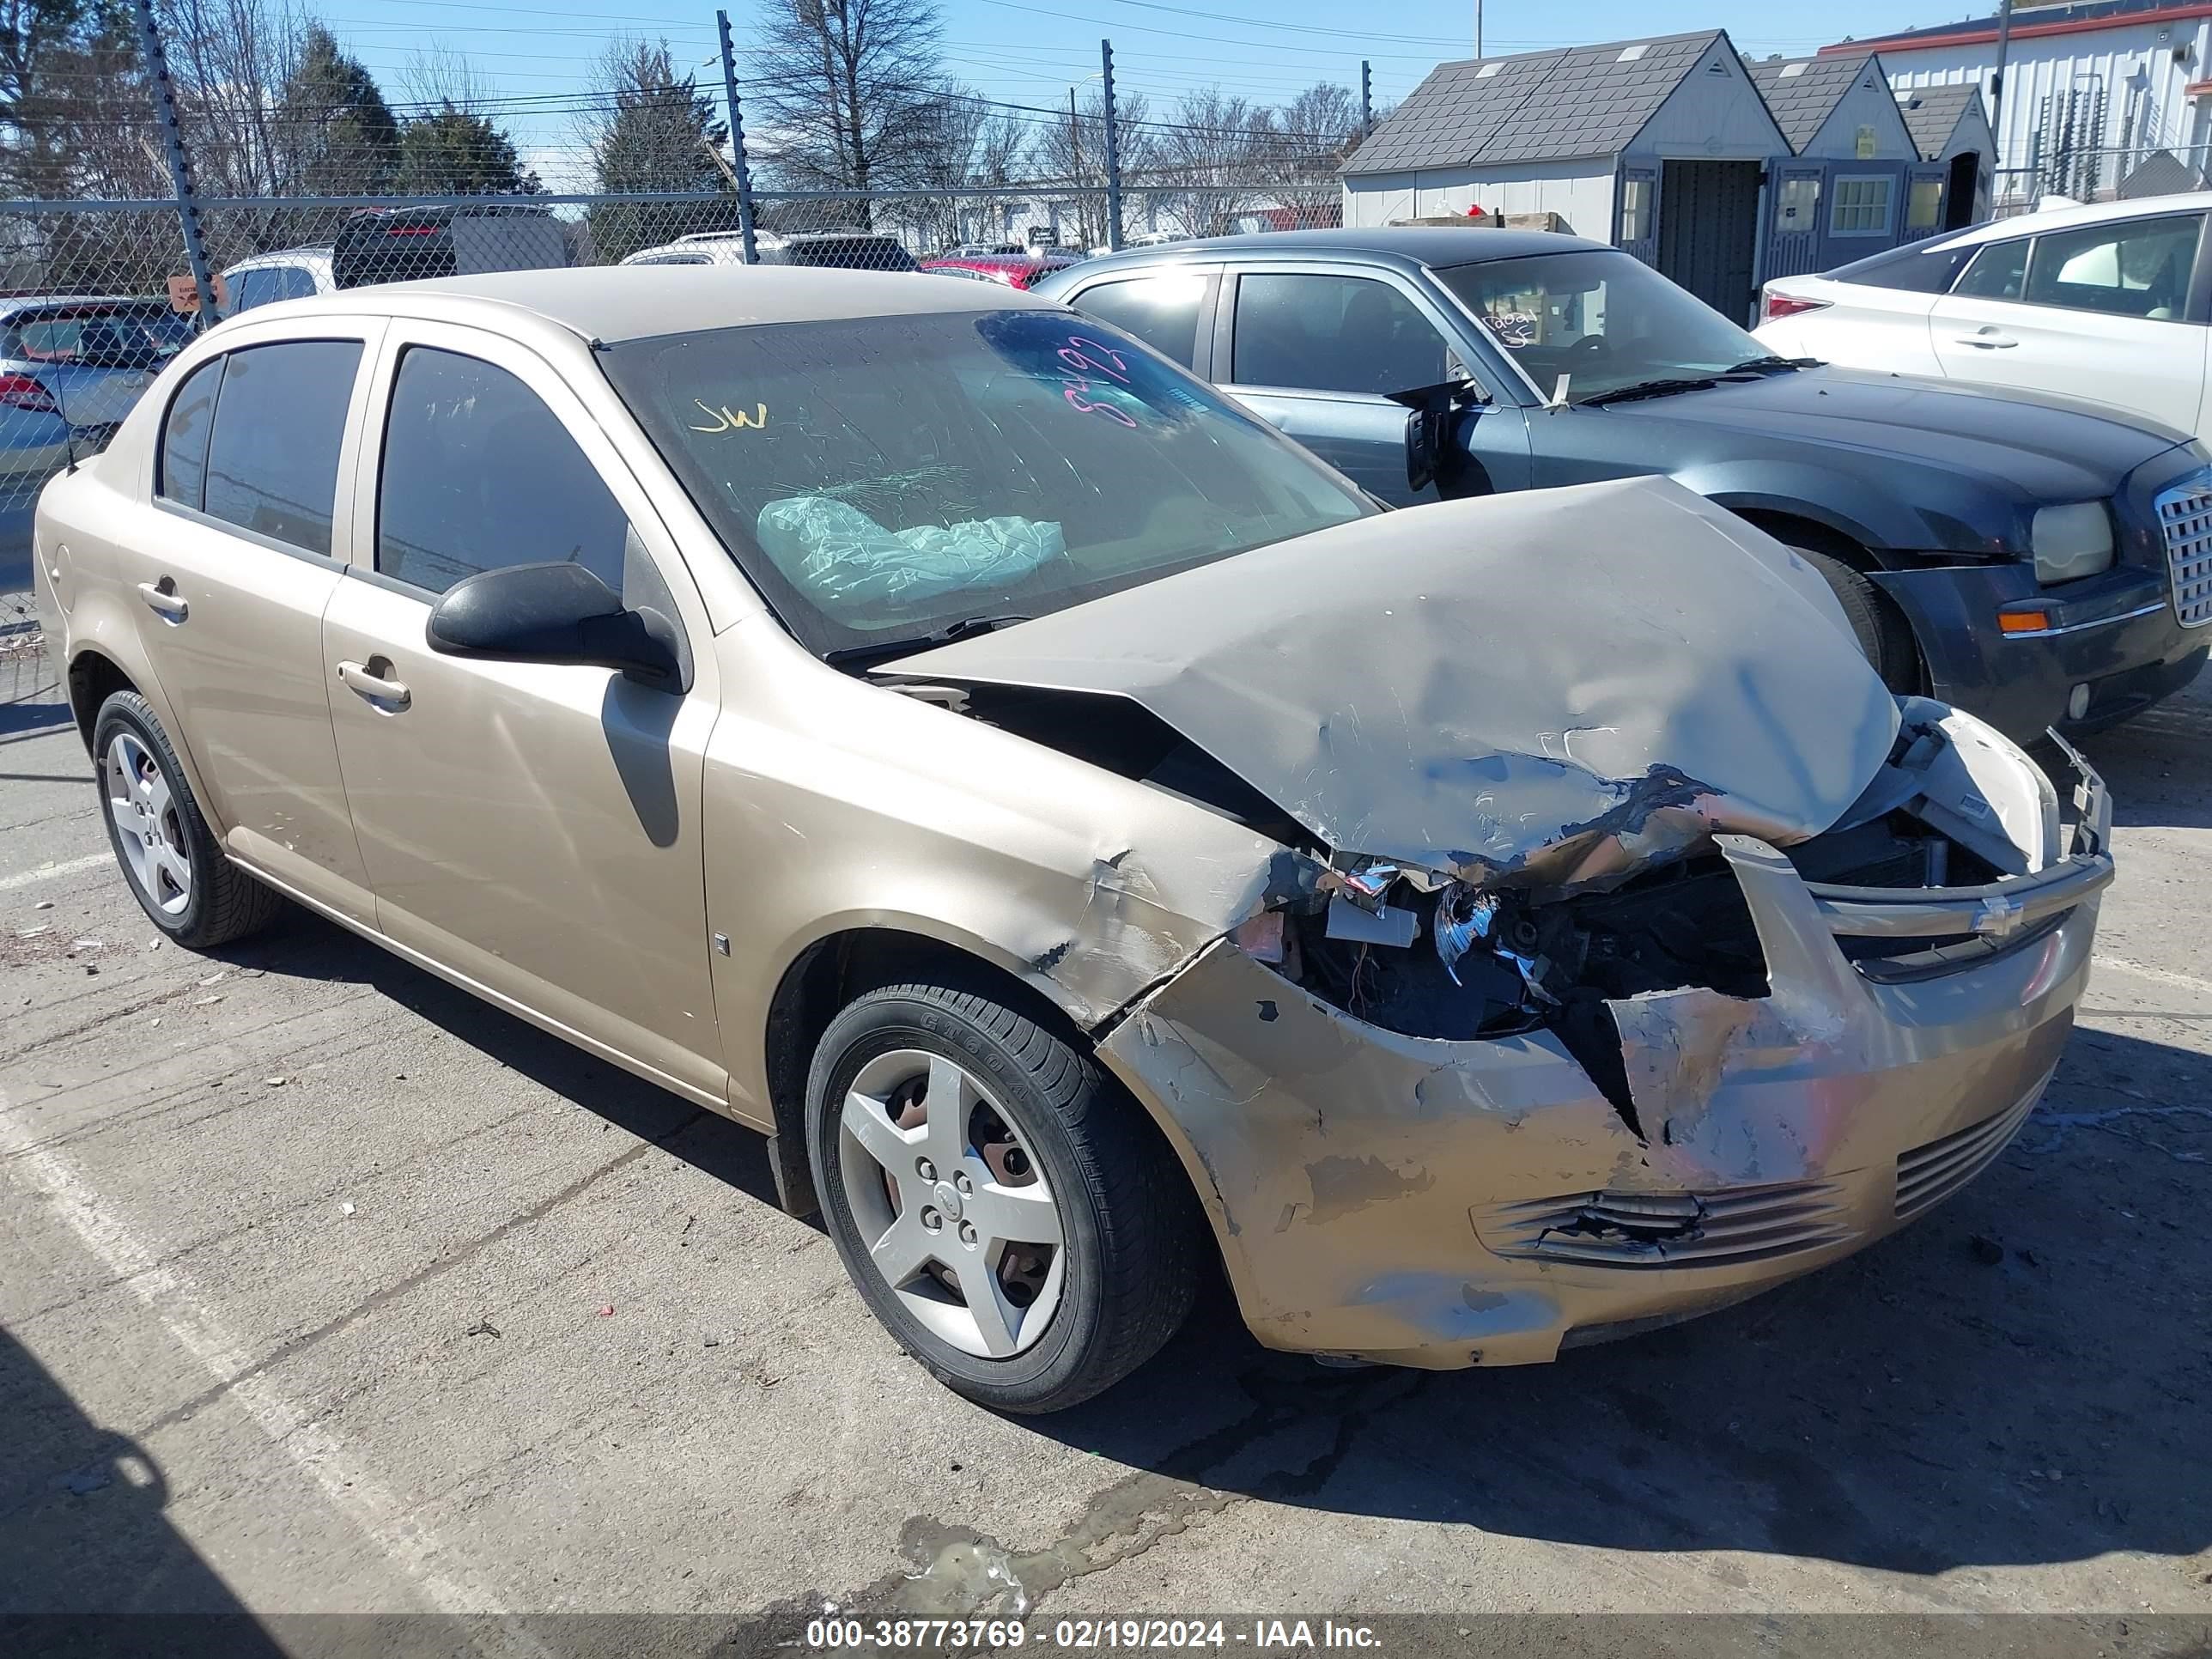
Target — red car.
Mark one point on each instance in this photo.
(1015, 270)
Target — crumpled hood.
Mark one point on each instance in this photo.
(1549, 687)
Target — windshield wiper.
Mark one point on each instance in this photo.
(965, 627)
(1665, 386)
(1756, 365)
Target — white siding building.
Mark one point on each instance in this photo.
(2092, 87)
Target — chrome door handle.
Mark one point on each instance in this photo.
(356, 676)
(163, 599)
(1988, 342)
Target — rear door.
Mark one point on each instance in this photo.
(532, 827)
(1317, 349)
(2109, 312)
(230, 574)
(1169, 307)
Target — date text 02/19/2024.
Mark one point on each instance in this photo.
(1089, 1633)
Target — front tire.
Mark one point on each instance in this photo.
(177, 873)
(1009, 1215)
(1883, 634)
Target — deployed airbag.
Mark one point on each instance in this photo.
(840, 553)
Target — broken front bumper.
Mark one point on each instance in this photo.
(1442, 1204)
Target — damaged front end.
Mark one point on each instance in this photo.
(1630, 930)
(1476, 1147)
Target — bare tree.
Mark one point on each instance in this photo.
(437, 75)
(229, 60)
(965, 146)
(1318, 129)
(1220, 158)
(848, 91)
(1072, 151)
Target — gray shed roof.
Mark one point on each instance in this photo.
(1802, 100)
(1588, 101)
(1933, 114)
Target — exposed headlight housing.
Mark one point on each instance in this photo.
(2071, 542)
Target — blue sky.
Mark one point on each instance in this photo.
(1028, 55)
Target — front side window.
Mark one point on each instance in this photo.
(1600, 317)
(254, 287)
(272, 461)
(1333, 334)
(1861, 207)
(1162, 311)
(183, 476)
(2138, 269)
(295, 283)
(1999, 271)
(880, 478)
(478, 474)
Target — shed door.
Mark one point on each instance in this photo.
(1635, 225)
(1793, 236)
(1709, 231)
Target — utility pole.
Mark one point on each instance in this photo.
(1366, 98)
(1997, 86)
(1113, 150)
(1075, 168)
(180, 165)
(742, 170)
(1478, 27)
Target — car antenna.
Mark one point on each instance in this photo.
(1559, 398)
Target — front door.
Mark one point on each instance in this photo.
(2102, 311)
(532, 827)
(1315, 352)
(243, 550)
(1793, 213)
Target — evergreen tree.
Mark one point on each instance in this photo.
(458, 153)
(341, 133)
(657, 132)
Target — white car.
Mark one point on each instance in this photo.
(2108, 301)
(292, 273)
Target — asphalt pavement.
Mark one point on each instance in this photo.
(328, 1289)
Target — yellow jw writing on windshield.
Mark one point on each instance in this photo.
(728, 420)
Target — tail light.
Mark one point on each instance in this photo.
(22, 391)
(1774, 306)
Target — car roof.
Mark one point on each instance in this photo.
(2066, 218)
(282, 256)
(1423, 245)
(630, 302)
(23, 303)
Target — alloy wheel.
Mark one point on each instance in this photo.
(955, 1213)
(149, 831)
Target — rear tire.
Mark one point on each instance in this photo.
(1883, 634)
(167, 853)
(1059, 1322)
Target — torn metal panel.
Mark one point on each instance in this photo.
(1354, 1175)
(1490, 699)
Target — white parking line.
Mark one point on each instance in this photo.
(53, 872)
(448, 1583)
(2163, 976)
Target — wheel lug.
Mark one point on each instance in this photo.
(964, 1184)
(925, 1168)
(931, 1220)
(968, 1233)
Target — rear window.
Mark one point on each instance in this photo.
(851, 253)
(1920, 267)
(102, 336)
(272, 459)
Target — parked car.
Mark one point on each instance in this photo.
(836, 250)
(413, 244)
(70, 368)
(1014, 269)
(291, 273)
(2109, 302)
(981, 250)
(1083, 830)
(2037, 562)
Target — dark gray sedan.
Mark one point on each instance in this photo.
(2038, 562)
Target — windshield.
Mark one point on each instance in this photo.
(884, 478)
(1603, 317)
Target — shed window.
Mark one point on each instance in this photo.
(1635, 209)
(1861, 207)
(1800, 201)
(1923, 206)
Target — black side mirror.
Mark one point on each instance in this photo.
(555, 613)
(1431, 428)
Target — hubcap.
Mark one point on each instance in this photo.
(956, 1214)
(149, 829)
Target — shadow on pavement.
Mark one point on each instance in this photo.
(82, 1532)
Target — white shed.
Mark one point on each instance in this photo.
(1660, 145)
(1951, 125)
